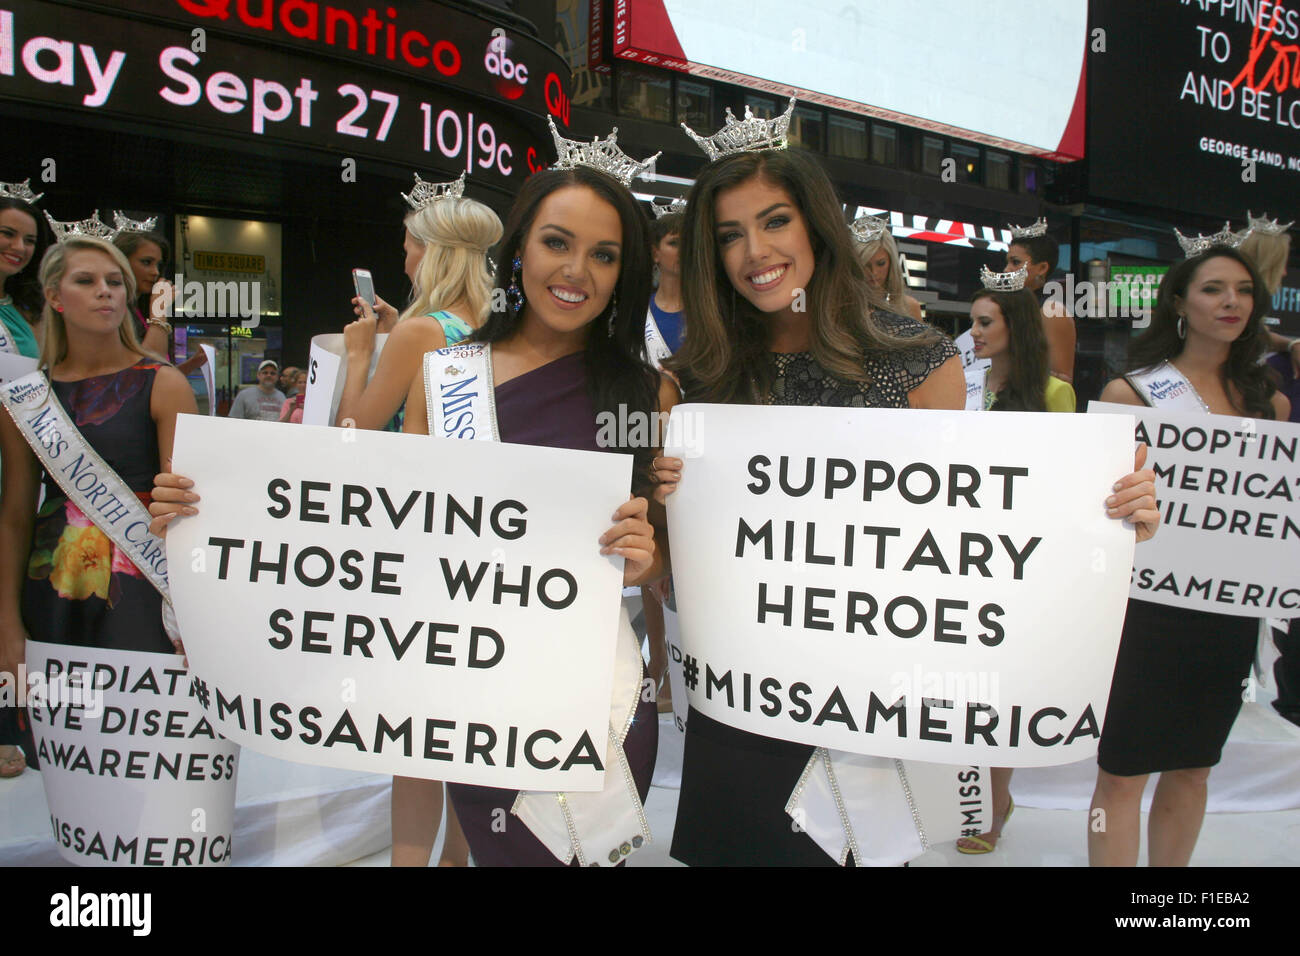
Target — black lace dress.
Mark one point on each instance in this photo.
(735, 784)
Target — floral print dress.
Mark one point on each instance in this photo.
(80, 588)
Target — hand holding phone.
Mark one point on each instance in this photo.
(365, 285)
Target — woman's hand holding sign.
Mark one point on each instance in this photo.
(172, 495)
(633, 537)
(1135, 498)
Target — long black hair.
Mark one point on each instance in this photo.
(24, 286)
(618, 374)
(1161, 342)
(1025, 389)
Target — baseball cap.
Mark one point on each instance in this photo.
(270, 363)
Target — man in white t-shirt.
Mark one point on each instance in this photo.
(263, 402)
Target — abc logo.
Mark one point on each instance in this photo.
(513, 76)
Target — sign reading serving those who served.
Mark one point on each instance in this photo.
(401, 604)
(939, 586)
(135, 773)
(1230, 523)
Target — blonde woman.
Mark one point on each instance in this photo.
(62, 579)
(1268, 246)
(446, 246)
(879, 256)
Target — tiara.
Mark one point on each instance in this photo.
(867, 229)
(1004, 281)
(667, 209)
(131, 225)
(1029, 232)
(1195, 245)
(745, 136)
(92, 228)
(423, 193)
(601, 154)
(1265, 225)
(22, 190)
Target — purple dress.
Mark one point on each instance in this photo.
(548, 406)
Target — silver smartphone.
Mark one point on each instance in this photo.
(365, 286)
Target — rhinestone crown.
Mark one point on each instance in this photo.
(744, 136)
(1004, 281)
(601, 154)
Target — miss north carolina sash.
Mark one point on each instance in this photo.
(656, 346)
(88, 481)
(598, 829)
(1163, 386)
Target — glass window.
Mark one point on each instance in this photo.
(763, 106)
(1028, 177)
(848, 137)
(968, 163)
(645, 94)
(932, 155)
(997, 170)
(884, 145)
(695, 106)
(807, 128)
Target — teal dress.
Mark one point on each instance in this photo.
(456, 330)
(17, 329)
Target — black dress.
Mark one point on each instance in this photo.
(735, 785)
(1179, 682)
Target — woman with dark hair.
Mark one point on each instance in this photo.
(779, 308)
(1036, 252)
(665, 324)
(1179, 673)
(1007, 329)
(575, 266)
(24, 237)
(148, 253)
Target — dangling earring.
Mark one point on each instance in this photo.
(654, 276)
(515, 294)
(1182, 326)
(613, 311)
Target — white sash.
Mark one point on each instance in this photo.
(976, 378)
(601, 828)
(7, 343)
(656, 346)
(1163, 386)
(88, 481)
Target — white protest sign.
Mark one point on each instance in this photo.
(929, 585)
(676, 683)
(1228, 491)
(401, 604)
(966, 347)
(208, 368)
(327, 374)
(14, 366)
(134, 772)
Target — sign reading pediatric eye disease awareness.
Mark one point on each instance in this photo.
(327, 374)
(932, 585)
(135, 773)
(401, 604)
(1230, 522)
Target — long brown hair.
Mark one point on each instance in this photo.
(1025, 389)
(1242, 370)
(724, 356)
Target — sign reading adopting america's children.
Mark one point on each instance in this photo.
(1230, 522)
(401, 604)
(135, 774)
(936, 586)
